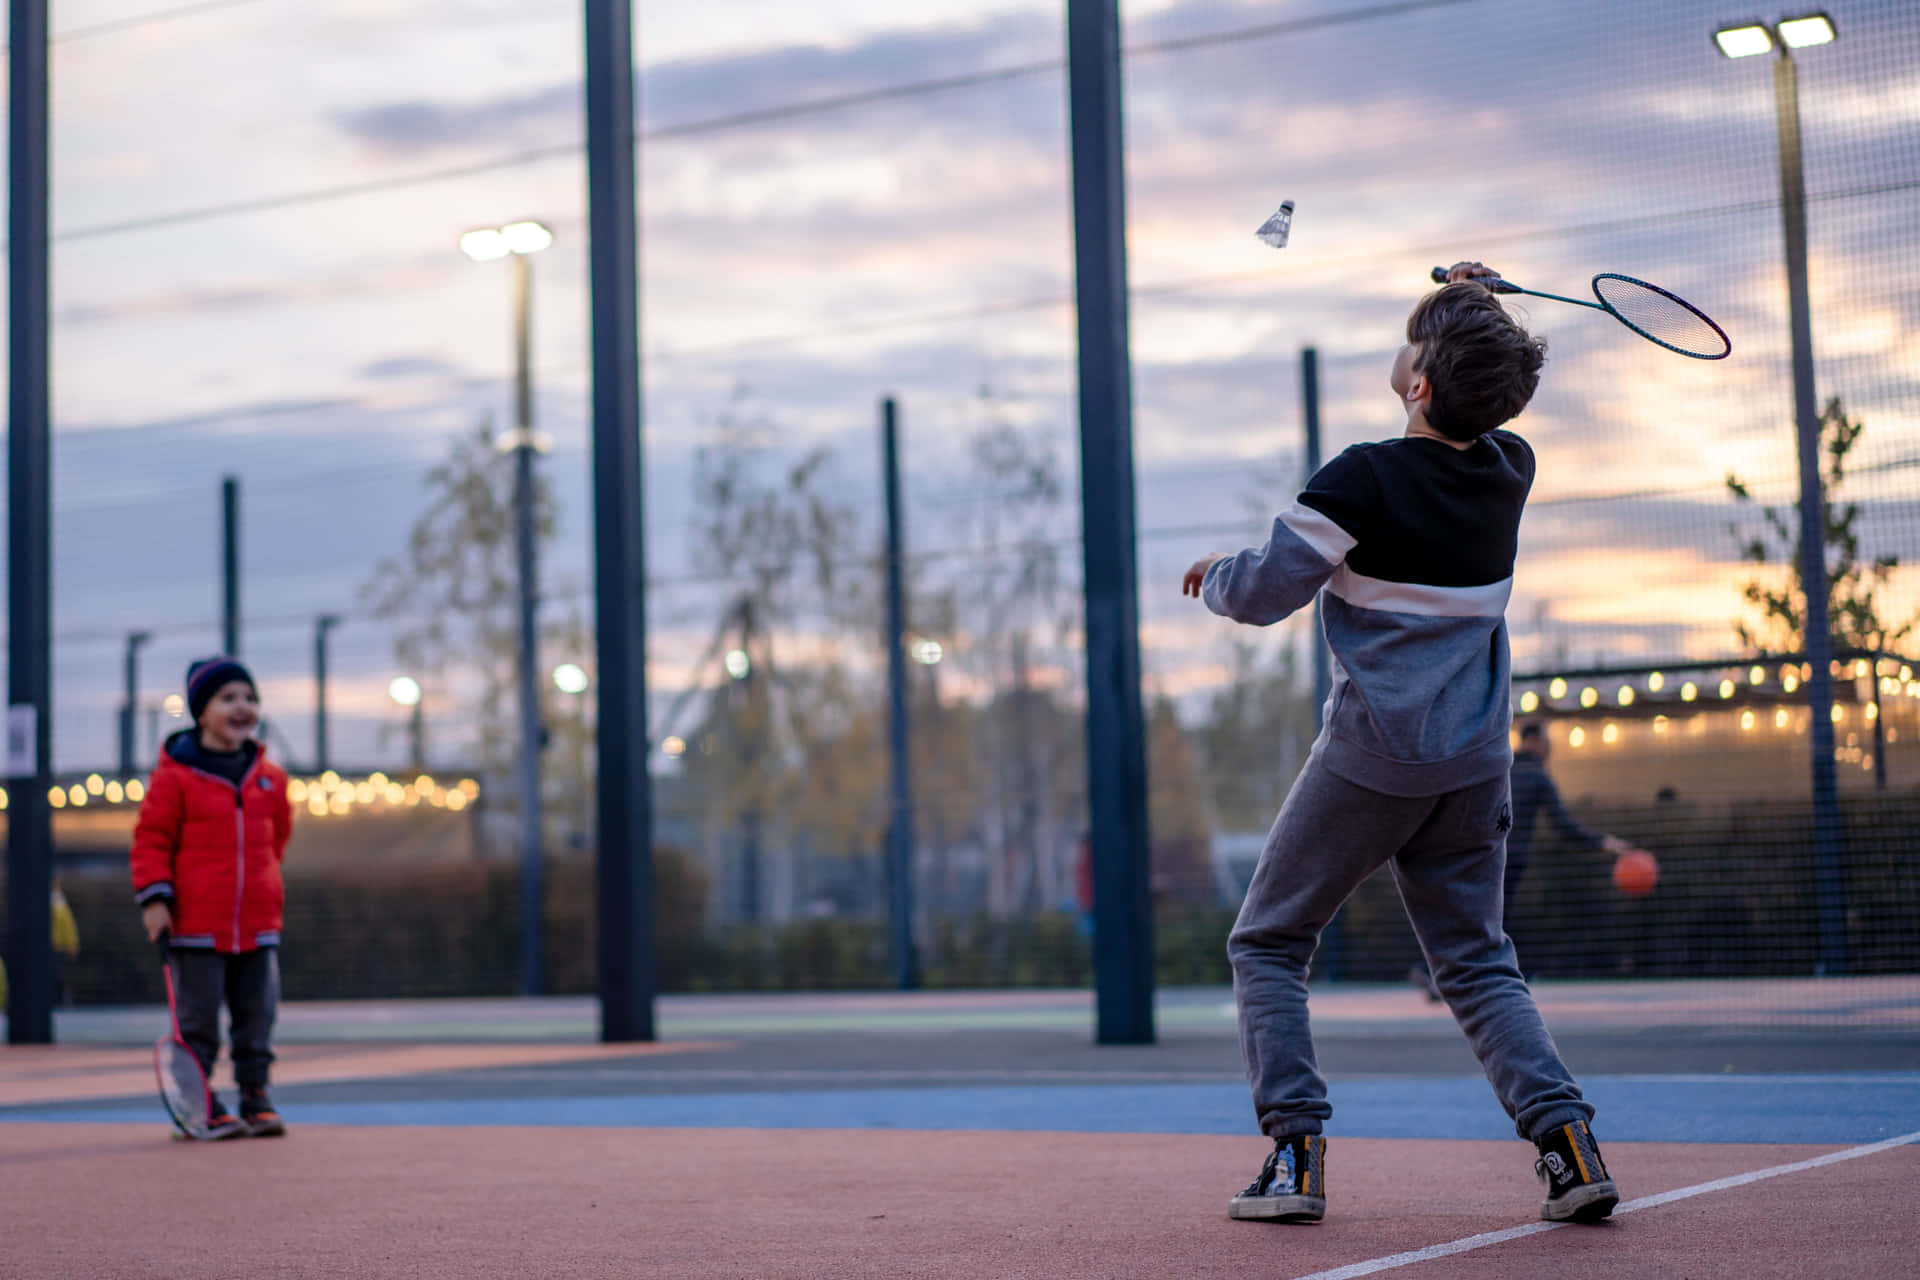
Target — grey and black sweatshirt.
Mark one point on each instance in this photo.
(1414, 542)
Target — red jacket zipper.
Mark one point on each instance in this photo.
(239, 837)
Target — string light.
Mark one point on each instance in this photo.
(1626, 695)
(1556, 689)
(1577, 737)
(1688, 692)
(1610, 733)
(1656, 682)
(1529, 701)
(1589, 696)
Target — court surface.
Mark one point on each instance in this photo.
(1756, 1129)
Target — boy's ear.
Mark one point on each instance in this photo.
(1419, 391)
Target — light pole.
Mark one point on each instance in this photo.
(321, 626)
(519, 240)
(135, 640)
(571, 678)
(405, 691)
(1741, 41)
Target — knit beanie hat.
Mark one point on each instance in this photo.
(208, 676)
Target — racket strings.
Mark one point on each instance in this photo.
(183, 1087)
(1659, 315)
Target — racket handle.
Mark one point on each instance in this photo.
(1495, 283)
(164, 945)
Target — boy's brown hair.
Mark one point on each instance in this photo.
(1482, 364)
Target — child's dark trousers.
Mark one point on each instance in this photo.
(249, 985)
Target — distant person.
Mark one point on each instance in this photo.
(219, 904)
(1533, 795)
(66, 944)
(66, 947)
(1414, 540)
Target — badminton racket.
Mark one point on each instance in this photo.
(183, 1085)
(1661, 317)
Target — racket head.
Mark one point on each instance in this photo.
(1661, 317)
(183, 1085)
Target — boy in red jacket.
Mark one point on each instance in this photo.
(206, 869)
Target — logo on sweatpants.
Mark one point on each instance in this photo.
(1504, 823)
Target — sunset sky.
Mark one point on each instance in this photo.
(256, 206)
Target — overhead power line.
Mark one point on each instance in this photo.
(1212, 528)
(115, 25)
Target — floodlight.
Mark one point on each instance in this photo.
(526, 237)
(485, 245)
(1808, 29)
(1744, 41)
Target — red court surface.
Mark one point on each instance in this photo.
(87, 1200)
(33, 1073)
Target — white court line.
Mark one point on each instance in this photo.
(1486, 1238)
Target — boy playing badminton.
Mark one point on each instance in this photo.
(1414, 541)
(206, 860)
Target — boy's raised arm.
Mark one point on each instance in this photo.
(1262, 585)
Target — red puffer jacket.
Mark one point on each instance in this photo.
(214, 848)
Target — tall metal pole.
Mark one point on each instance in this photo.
(906, 969)
(1333, 940)
(230, 566)
(29, 936)
(627, 971)
(532, 735)
(1116, 722)
(321, 626)
(1310, 408)
(129, 707)
(1829, 889)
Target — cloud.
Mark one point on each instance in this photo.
(409, 367)
(415, 129)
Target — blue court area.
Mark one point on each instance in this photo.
(1826, 1108)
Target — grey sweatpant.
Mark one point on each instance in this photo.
(1447, 854)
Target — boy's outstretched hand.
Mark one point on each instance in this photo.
(1190, 585)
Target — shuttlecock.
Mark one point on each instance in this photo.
(1274, 230)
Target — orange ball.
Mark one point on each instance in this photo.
(1635, 873)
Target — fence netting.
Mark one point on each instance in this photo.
(816, 254)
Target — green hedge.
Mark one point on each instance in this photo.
(1736, 898)
(392, 933)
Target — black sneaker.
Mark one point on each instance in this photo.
(1578, 1188)
(256, 1110)
(1292, 1184)
(221, 1124)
